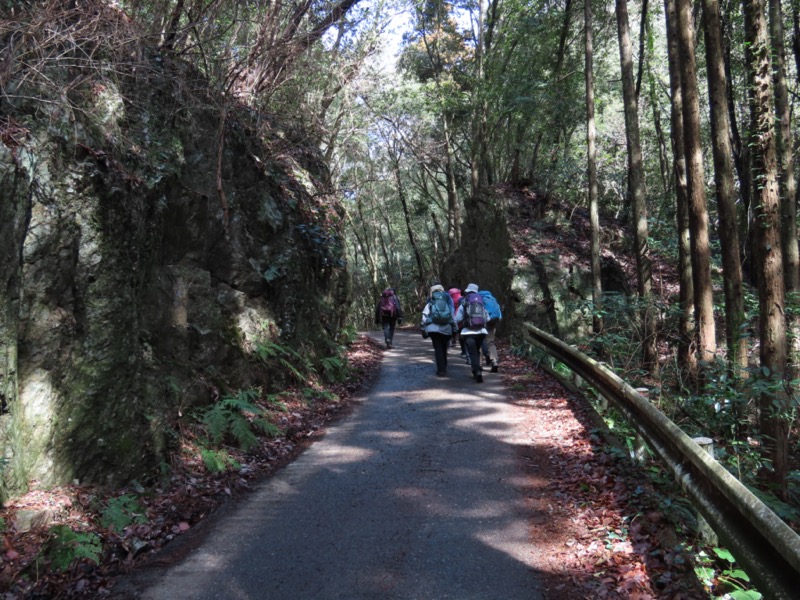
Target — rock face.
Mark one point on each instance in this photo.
(485, 254)
(132, 290)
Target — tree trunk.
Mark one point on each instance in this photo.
(453, 205)
(686, 359)
(769, 256)
(407, 216)
(591, 161)
(698, 212)
(637, 190)
(726, 194)
(791, 260)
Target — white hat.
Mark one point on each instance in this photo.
(472, 287)
(437, 288)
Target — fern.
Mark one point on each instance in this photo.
(270, 352)
(268, 428)
(216, 461)
(334, 368)
(241, 430)
(215, 420)
(228, 417)
(65, 546)
(121, 512)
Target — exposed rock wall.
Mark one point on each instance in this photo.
(534, 256)
(127, 297)
(485, 254)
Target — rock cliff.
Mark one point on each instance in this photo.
(152, 235)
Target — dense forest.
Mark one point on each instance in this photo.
(286, 161)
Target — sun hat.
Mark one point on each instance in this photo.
(472, 287)
(437, 288)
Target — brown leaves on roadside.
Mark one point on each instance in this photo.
(596, 528)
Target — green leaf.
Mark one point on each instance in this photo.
(745, 595)
(737, 574)
(724, 554)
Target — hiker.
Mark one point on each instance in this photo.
(473, 317)
(388, 313)
(455, 296)
(437, 324)
(488, 347)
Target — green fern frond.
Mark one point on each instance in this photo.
(215, 420)
(292, 369)
(241, 431)
(216, 461)
(270, 429)
(243, 402)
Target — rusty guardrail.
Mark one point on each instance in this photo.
(767, 548)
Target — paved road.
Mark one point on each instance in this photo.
(414, 496)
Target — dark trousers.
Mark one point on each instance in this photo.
(440, 344)
(388, 328)
(473, 344)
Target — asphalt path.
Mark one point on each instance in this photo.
(417, 494)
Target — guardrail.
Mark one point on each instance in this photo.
(767, 548)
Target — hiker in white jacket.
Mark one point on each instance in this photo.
(472, 317)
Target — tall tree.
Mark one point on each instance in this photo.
(791, 259)
(637, 191)
(726, 193)
(695, 175)
(591, 169)
(769, 254)
(686, 359)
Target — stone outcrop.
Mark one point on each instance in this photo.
(132, 290)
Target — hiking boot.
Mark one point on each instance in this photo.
(441, 373)
(494, 368)
(479, 377)
(487, 360)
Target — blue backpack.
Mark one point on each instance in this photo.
(441, 312)
(492, 306)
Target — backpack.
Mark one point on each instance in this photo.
(441, 313)
(491, 305)
(475, 315)
(388, 305)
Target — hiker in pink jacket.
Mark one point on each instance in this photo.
(455, 294)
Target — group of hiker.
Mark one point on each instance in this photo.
(450, 318)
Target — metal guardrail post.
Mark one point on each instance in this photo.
(767, 548)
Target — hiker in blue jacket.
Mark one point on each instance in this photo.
(437, 324)
(388, 313)
(472, 316)
(495, 314)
